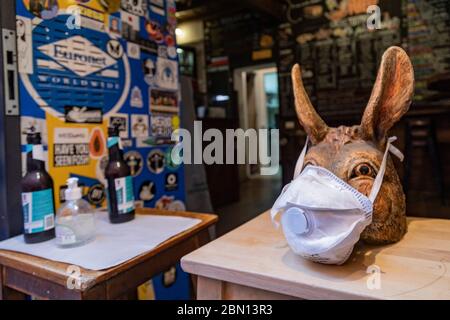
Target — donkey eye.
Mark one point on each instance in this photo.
(363, 170)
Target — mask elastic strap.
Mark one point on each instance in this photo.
(380, 176)
(301, 159)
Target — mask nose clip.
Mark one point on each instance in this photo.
(297, 221)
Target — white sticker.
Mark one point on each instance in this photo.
(71, 135)
(24, 45)
(136, 98)
(167, 71)
(133, 50)
(31, 124)
(130, 19)
(139, 125)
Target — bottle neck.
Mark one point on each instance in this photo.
(115, 151)
(35, 158)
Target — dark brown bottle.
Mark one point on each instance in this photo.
(38, 204)
(120, 182)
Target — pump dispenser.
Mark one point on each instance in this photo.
(75, 220)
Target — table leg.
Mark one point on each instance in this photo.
(8, 293)
(209, 289)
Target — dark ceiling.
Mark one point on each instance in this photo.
(208, 9)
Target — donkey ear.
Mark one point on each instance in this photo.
(314, 126)
(391, 95)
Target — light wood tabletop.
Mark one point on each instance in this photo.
(25, 274)
(255, 262)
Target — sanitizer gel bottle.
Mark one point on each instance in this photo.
(75, 220)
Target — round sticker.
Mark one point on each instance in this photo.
(134, 161)
(155, 161)
(96, 194)
(177, 205)
(172, 52)
(147, 191)
(115, 49)
(44, 9)
(171, 181)
(170, 163)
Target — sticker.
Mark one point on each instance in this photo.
(121, 121)
(78, 55)
(158, 10)
(154, 31)
(155, 161)
(71, 147)
(71, 135)
(38, 211)
(97, 146)
(172, 52)
(162, 52)
(169, 160)
(170, 41)
(70, 154)
(77, 114)
(147, 191)
(31, 124)
(133, 50)
(109, 6)
(163, 101)
(135, 162)
(24, 45)
(171, 181)
(43, 9)
(148, 142)
(96, 194)
(169, 203)
(100, 169)
(75, 62)
(139, 125)
(149, 71)
(161, 124)
(114, 49)
(115, 25)
(131, 20)
(167, 71)
(125, 195)
(137, 7)
(127, 143)
(159, 3)
(136, 98)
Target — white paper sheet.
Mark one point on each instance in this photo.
(114, 243)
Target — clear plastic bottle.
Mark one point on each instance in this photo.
(75, 219)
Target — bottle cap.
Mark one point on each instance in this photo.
(34, 138)
(73, 192)
(113, 131)
(296, 220)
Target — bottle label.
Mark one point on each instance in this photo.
(37, 151)
(38, 211)
(113, 141)
(125, 195)
(65, 235)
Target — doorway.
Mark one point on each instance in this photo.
(258, 103)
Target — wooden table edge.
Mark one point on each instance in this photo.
(242, 278)
(17, 260)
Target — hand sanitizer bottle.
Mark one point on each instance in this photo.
(75, 220)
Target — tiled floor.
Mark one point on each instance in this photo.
(257, 196)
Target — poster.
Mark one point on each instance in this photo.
(86, 65)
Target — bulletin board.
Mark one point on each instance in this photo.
(87, 64)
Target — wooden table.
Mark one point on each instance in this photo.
(254, 262)
(44, 279)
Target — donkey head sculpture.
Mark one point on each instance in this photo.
(354, 154)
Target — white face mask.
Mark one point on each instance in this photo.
(322, 215)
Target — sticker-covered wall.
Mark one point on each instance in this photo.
(89, 64)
